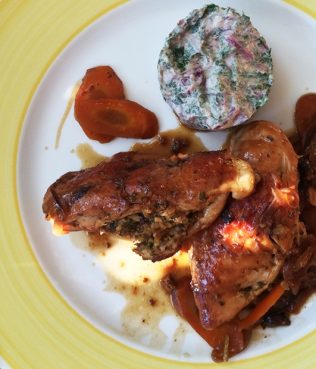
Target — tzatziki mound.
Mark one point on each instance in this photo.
(215, 69)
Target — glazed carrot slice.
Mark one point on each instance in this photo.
(100, 82)
(262, 307)
(116, 117)
(97, 136)
(227, 340)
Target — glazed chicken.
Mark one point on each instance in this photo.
(243, 251)
(155, 202)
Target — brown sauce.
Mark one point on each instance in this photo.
(65, 114)
(146, 304)
(171, 142)
(138, 281)
(308, 216)
(99, 241)
(226, 340)
(88, 156)
(305, 144)
(305, 116)
(180, 140)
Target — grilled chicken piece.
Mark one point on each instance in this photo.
(156, 202)
(243, 251)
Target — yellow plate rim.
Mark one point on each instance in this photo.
(26, 341)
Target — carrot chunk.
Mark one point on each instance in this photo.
(100, 82)
(116, 118)
(262, 307)
(97, 136)
(103, 113)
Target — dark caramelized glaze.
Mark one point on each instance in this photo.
(180, 140)
(305, 117)
(300, 272)
(305, 122)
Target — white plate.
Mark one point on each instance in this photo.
(129, 39)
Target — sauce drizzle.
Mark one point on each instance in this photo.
(65, 115)
(180, 140)
(88, 156)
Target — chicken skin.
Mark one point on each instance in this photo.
(243, 251)
(155, 202)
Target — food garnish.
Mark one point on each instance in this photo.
(215, 69)
(103, 112)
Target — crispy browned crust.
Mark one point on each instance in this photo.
(241, 254)
(154, 201)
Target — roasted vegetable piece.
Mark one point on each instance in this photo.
(117, 118)
(97, 136)
(226, 340)
(100, 82)
(103, 113)
(263, 307)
